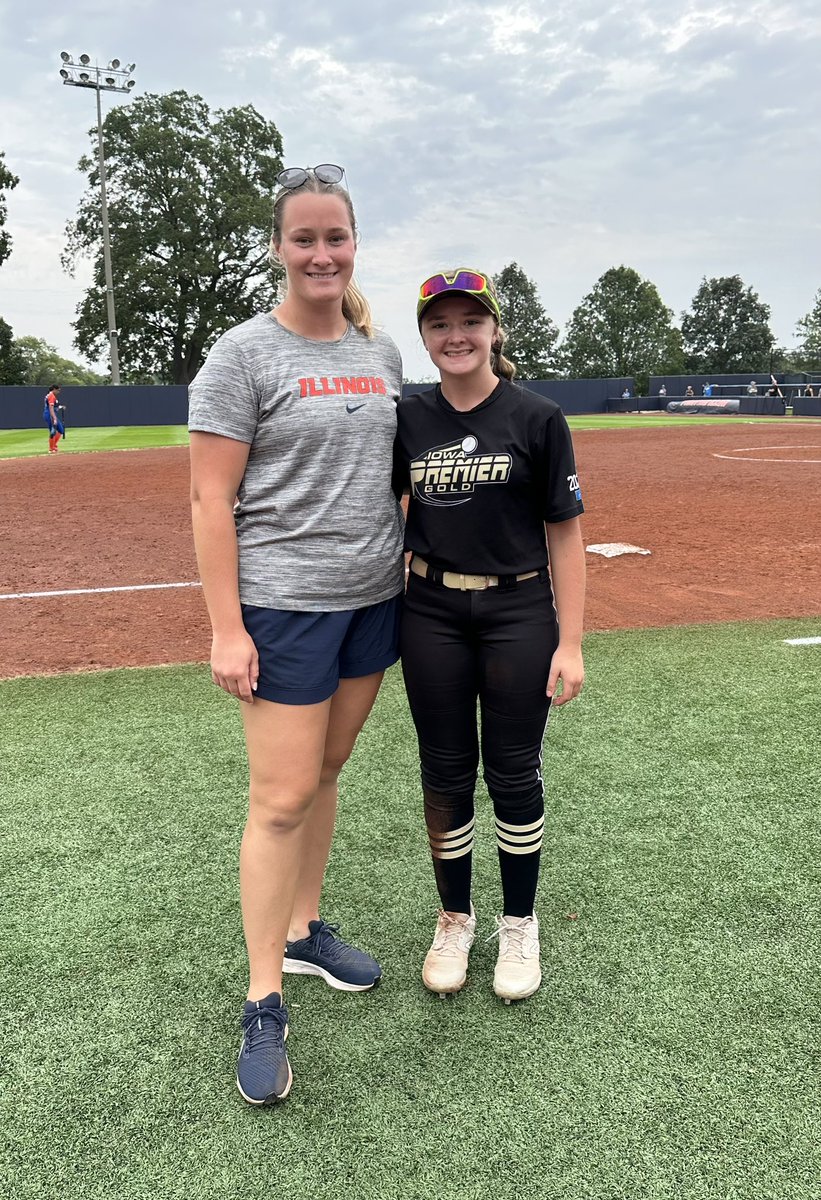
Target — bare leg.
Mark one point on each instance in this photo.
(286, 746)
(350, 707)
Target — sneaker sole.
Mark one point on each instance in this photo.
(295, 966)
(269, 1099)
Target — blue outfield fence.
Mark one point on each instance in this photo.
(22, 407)
(105, 406)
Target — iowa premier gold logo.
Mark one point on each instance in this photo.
(449, 474)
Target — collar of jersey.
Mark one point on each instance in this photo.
(488, 400)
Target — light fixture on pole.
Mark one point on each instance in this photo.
(112, 78)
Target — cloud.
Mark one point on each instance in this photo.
(570, 136)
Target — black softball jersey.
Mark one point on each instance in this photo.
(482, 483)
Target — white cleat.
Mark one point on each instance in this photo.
(518, 972)
(446, 963)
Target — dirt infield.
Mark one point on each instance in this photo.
(732, 538)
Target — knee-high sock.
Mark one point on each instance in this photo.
(519, 830)
(450, 822)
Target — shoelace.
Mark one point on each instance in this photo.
(447, 935)
(511, 939)
(271, 1032)
(327, 941)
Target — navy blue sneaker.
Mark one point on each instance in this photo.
(263, 1071)
(324, 953)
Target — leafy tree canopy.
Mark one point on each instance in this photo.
(12, 365)
(531, 335)
(7, 183)
(807, 354)
(727, 329)
(190, 195)
(622, 328)
(43, 365)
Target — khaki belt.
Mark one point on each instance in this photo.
(464, 583)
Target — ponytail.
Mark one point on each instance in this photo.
(500, 365)
(355, 308)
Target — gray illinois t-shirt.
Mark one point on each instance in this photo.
(318, 526)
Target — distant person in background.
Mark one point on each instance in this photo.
(773, 390)
(663, 391)
(808, 390)
(52, 417)
(626, 394)
(707, 389)
(689, 390)
(752, 388)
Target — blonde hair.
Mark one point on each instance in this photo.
(355, 307)
(500, 365)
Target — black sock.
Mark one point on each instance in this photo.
(519, 833)
(450, 823)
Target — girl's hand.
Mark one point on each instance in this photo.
(235, 665)
(566, 666)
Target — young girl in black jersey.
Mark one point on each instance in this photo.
(493, 487)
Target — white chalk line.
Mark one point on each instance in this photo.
(733, 456)
(132, 587)
(810, 641)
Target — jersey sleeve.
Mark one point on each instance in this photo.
(561, 497)
(223, 397)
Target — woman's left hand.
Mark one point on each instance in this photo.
(566, 666)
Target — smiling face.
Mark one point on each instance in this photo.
(317, 247)
(459, 333)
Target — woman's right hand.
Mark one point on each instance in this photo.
(235, 665)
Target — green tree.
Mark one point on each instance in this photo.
(190, 216)
(531, 335)
(43, 365)
(807, 354)
(622, 328)
(7, 183)
(12, 365)
(727, 329)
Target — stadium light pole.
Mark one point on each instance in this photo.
(113, 78)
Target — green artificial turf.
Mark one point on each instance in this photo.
(659, 420)
(25, 443)
(672, 1051)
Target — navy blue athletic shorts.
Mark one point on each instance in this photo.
(303, 655)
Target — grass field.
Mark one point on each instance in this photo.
(24, 443)
(671, 1053)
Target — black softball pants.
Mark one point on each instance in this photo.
(494, 646)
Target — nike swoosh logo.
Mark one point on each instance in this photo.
(351, 408)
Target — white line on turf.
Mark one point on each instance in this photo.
(135, 587)
(733, 456)
(811, 641)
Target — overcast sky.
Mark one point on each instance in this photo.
(681, 139)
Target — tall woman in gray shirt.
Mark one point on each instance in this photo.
(298, 539)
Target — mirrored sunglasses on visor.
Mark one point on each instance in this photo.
(294, 177)
(465, 280)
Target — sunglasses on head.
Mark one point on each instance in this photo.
(294, 177)
(464, 280)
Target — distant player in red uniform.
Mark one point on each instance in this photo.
(53, 418)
